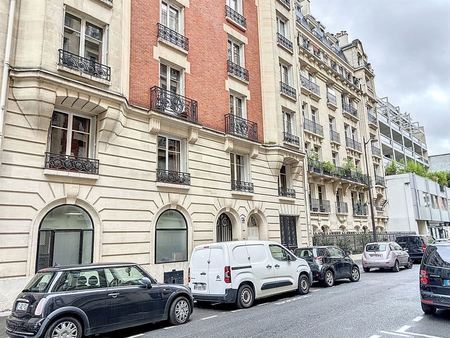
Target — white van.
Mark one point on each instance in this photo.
(242, 271)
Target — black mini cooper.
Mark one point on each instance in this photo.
(83, 300)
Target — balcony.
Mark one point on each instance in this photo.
(175, 38)
(84, 65)
(318, 168)
(350, 110)
(341, 208)
(71, 163)
(173, 177)
(331, 101)
(379, 181)
(285, 43)
(376, 151)
(286, 192)
(352, 144)
(372, 119)
(286, 3)
(310, 87)
(169, 103)
(242, 186)
(360, 209)
(289, 138)
(335, 137)
(287, 90)
(235, 17)
(237, 71)
(313, 127)
(318, 205)
(238, 126)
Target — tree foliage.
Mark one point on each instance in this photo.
(441, 177)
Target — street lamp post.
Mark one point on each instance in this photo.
(369, 185)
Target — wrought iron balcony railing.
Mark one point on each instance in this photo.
(288, 90)
(164, 101)
(350, 109)
(242, 186)
(320, 168)
(341, 208)
(286, 3)
(335, 137)
(290, 138)
(286, 192)
(372, 119)
(238, 71)
(235, 16)
(71, 163)
(173, 177)
(173, 37)
(360, 209)
(318, 205)
(379, 180)
(238, 126)
(331, 99)
(84, 65)
(311, 86)
(352, 144)
(376, 151)
(285, 42)
(313, 127)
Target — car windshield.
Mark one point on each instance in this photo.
(40, 282)
(376, 247)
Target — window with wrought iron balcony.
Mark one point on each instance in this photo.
(235, 122)
(284, 180)
(82, 50)
(170, 28)
(234, 13)
(313, 127)
(286, 79)
(240, 173)
(286, 3)
(171, 167)
(282, 35)
(331, 98)
(236, 59)
(360, 209)
(319, 205)
(348, 108)
(353, 144)
(288, 124)
(71, 144)
(309, 84)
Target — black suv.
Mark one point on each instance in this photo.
(435, 278)
(415, 244)
(329, 263)
(75, 301)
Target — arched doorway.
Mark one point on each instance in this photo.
(252, 228)
(224, 231)
(171, 240)
(65, 237)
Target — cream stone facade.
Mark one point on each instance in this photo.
(119, 191)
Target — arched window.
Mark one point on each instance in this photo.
(224, 229)
(65, 237)
(171, 238)
(252, 228)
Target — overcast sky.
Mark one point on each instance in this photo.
(408, 44)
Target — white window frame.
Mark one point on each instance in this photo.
(314, 114)
(283, 23)
(168, 79)
(92, 128)
(284, 66)
(240, 45)
(183, 152)
(246, 168)
(235, 96)
(288, 175)
(292, 123)
(335, 159)
(171, 4)
(239, 6)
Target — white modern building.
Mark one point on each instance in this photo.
(418, 204)
(440, 162)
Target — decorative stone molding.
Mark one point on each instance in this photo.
(154, 125)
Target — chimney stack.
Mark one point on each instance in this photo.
(342, 38)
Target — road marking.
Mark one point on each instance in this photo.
(418, 319)
(137, 335)
(210, 317)
(315, 290)
(169, 327)
(262, 304)
(396, 334)
(422, 335)
(238, 310)
(375, 336)
(403, 329)
(279, 303)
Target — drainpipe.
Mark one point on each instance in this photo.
(5, 75)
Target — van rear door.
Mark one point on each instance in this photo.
(199, 270)
(217, 263)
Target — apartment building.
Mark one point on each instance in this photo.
(134, 131)
(418, 204)
(402, 138)
(322, 88)
(440, 162)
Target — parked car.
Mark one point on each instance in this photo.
(329, 263)
(241, 271)
(75, 301)
(385, 255)
(415, 244)
(435, 278)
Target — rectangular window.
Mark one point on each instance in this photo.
(237, 106)
(235, 52)
(171, 154)
(314, 115)
(170, 16)
(288, 122)
(285, 73)
(335, 157)
(283, 178)
(332, 123)
(235, 5)
(282, 27)
(238, 168)
(288, 227)
(304, 110)
(170, 79)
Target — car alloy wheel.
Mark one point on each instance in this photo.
(329, 278)
(303, 285)
(245, 297)
(65, 329)
(355, 274)
(180, 310)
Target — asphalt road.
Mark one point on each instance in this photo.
(382, 304)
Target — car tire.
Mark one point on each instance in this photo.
(180, 311)
(410, 264)
(366, 269)
(303, 284)
(245, 297)
(428, 309)
(70, 327)
(328, 279)
(396, 267)
(356, 274)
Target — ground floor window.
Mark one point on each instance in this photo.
(288, 228)
(224, 229)
(65, 237)
(171, 238)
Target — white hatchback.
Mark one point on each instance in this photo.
(242, 271)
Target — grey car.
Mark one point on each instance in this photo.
(385, 255)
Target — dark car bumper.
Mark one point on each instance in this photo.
(228, 297)
(434, 299)
(17, 327)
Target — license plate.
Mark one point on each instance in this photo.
(446, 282)
(200, 287)
(21, 306)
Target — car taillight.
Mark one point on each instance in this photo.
(319, 260)
(227, 275)
(424, 277)
(189, 275)
(424, 247)
(40, 307)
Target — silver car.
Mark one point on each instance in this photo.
(385, 255)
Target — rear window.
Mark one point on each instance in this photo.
(438, 256)
(376, 247)
(409, 240)
(40, 282)
(303, 253)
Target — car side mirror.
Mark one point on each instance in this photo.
(146, 283)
